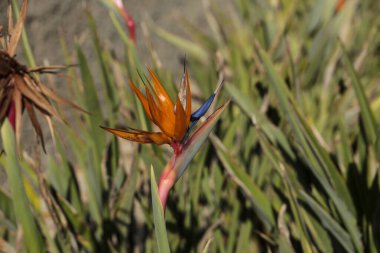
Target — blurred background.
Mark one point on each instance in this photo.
(48, 20)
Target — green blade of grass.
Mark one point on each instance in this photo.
(366, 113)
(260, 202)
(158, 215)
(247, 106)
(95, 140)
(108, 82)
(73, 189)
(338, 183)
(244, 237)
(290, 191)
(91, 102)
(6, 207)
(94, 187)
(319, 235)
(319, 162)
(189, 47)
(329, 223)
(23, 213)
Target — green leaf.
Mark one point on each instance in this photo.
(329, 223)
(259, 200)
(291, 191)
(317, 158)
(189, 47)
(244, 237)
(91, 102)
(158, 215)
(248, 107)
(366, 113)
(195, 141)
(108, 82)
(23, 213)
(6, 206)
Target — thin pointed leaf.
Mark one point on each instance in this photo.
(369, 122)
(260, 201)
(193, 144)
(57, 98)
(205, 249)
(27, 50)
(91, 100)
(24, 216)
(319, 162)
(103, 64)
(6, 206)
(329, 223)
(248, 107)
(190, 47)
(35, 123)
(158, 215)
(16, 33)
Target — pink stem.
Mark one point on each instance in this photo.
(177, 147)
(167, 180)
(12, 115)
(164, 188)
(129, 22)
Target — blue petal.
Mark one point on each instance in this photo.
(203, 109)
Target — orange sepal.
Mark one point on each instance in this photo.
(165, 102)
(142, 99)
(180, 121)
(140, 136)
(164, 119)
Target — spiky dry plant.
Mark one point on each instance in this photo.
(19, 89)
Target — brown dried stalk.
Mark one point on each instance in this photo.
(19, 90)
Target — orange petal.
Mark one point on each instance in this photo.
(164, 100)
(140, 136)
(142, 99)
(156, 116)
(180, 121)
(164, 119)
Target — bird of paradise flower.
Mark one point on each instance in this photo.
(176, 123)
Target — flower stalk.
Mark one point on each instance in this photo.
(128, 20)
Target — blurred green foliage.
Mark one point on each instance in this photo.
(292, 165)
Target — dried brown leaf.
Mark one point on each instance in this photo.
(4, 104)
(10, 17)
(36, 98)
(57, 98)
(16, 33)
(49, 69)
(35, 123)
(2, 37)
(17, 99)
